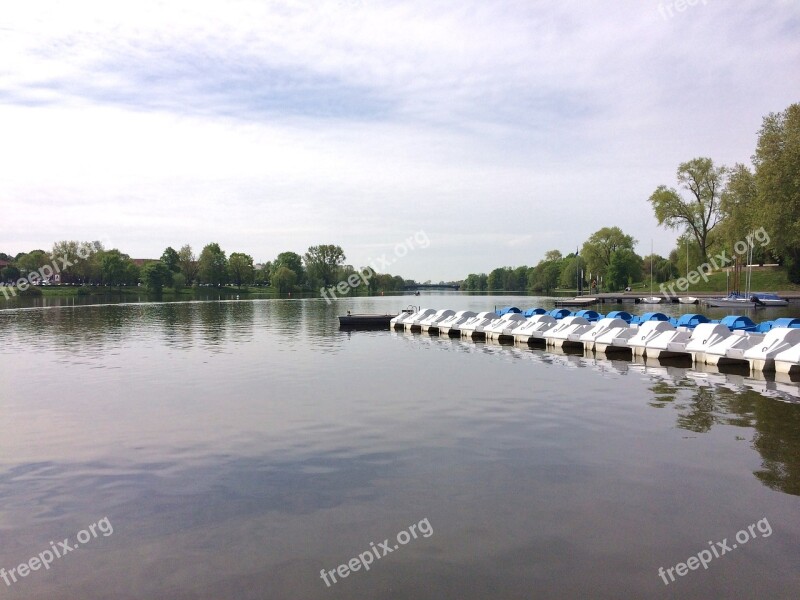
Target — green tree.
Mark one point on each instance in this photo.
(777, 162)
(323, 262)
(497, 279)
(553, 255)
(155, 275)
(178, 282)
(262, 272)
(570, 272)
(701, 212)
(737, 206)
(213, 265)
(32, 261)
(681, 264)
(601, 245)
(517, 279)
(9, 273)
(544, 276)
(187, 262)
(240, 267)
(283, 279)
(114, 268)
(171, 258)
(662, 268)
(372, 279)
(85, 259)
(293, 261)
(624, 267)
(476, 282)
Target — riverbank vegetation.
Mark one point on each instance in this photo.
(89, 268)
(713, 208)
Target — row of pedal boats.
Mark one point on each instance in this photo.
(734, 340)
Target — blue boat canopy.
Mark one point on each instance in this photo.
(739, 322)
(534, 311)
(508, 309)
(589, 315)
(787, 322)
(620, 314)
(691, 320)
(650, 316)
(559, 313)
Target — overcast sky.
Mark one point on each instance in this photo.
(500, 129)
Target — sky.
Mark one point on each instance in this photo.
(434, 139)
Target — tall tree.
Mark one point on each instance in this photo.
(32, 261)
(171, 258)
(601, 245)
(623, 268)
(187, 262)
(570, 271)
(85, 259)
(114, 267)
(213, 265)
(497, 279)
(155, 275)
(737, 206)
(293, 261)
(283, 279)
(777, 162)
(9, 273)
(700, 213)
(323, 263)
(240, 267)
(544, 276)
(475, 282)
(553, 255)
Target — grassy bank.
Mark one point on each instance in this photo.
(764, 279)
(188, 293)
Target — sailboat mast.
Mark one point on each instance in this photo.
(687, 258)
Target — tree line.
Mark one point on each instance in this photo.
(319, 267)
(606, 260)
(712, 208)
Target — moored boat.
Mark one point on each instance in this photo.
(365, 321)
(688, 300)
(730, 301)
(769, 299)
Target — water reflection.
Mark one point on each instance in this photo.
(701, 399)
(240, 446)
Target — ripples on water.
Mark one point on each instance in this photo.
(239, 447)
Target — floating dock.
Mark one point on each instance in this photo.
(735, 341)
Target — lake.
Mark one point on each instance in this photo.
(250, 449)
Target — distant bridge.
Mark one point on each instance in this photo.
(433, 286)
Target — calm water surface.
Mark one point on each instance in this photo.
(238, 448)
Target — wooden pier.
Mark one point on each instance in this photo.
(633, 298)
